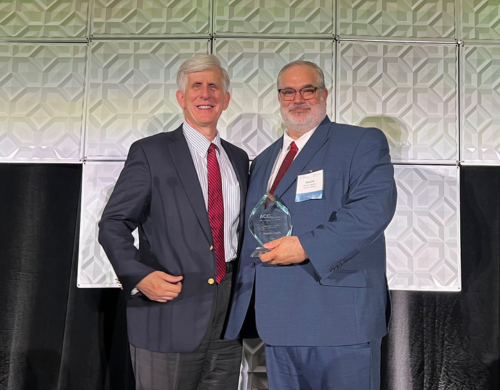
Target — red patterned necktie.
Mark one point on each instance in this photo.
(216, 211)
(284, 166)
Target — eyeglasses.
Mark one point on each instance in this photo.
(307, 93)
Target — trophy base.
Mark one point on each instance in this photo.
(258, 251)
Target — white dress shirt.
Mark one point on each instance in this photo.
(198, 146)
(287, 140)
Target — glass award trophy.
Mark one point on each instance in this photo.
(268, 221)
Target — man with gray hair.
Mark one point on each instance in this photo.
(318, 298)
(185, 193)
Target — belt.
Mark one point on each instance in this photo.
(230, 266)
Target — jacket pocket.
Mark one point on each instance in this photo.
(345, 278)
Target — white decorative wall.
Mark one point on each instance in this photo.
(80, 80)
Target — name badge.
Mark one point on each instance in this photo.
(309, 186)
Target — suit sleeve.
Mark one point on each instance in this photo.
(368, 209)
(121, 216)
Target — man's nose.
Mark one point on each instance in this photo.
(298, 97)
(205, 91)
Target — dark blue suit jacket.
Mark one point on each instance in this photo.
(158, 192)
(339, 295)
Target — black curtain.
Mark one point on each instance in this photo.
(53, 335)
(56, 336)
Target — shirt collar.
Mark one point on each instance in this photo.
(198, 141)
(300, 142)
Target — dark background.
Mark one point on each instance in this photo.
(56, 336)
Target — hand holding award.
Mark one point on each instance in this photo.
(268, 221)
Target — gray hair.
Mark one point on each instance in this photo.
(320, 77)
(199, 64)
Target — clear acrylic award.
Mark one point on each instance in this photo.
(268, 221)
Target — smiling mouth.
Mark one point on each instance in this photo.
(299, 110)
(298, 107)
(205, 107)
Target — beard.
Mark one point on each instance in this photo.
(316, 115)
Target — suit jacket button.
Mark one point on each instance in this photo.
(211, 247)
(211, 281)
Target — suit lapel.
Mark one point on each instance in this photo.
(184, 165)
(312, 146)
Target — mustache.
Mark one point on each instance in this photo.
(299, 106)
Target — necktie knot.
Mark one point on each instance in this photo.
(211, 148)
(293, 147)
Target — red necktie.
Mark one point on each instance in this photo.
(216, 211)
(284, 166)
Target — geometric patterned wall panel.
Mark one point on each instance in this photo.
(253, 121)
(481, 104)
(43, 19)
(408, 91)
(132, 92)
(480, 20)
(279, 17)
(397, 18)
(152, 18)
(253, 374)
(423, 246)
(94, 268)
(41, 101)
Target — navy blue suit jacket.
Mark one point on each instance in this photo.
(159, 193)
(339, 295)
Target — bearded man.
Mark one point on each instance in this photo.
(319, 295)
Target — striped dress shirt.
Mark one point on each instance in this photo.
(198, 146)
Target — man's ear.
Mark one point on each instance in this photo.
(180, 99)
(227, 98)
(325, 94)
